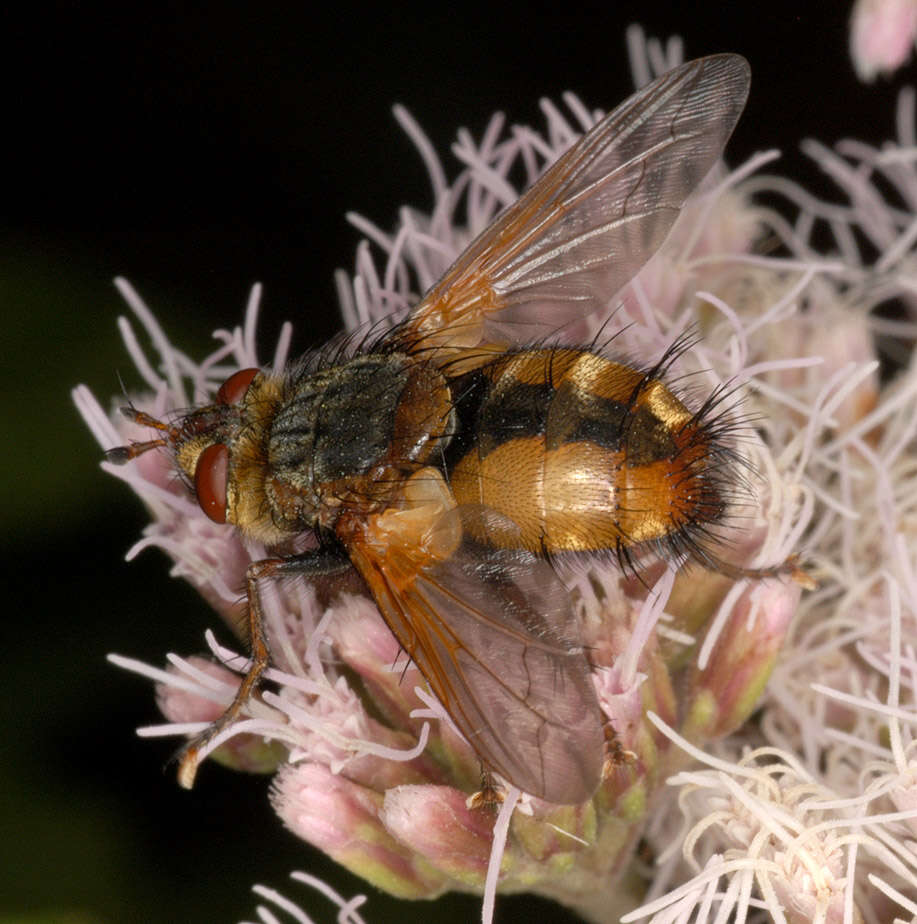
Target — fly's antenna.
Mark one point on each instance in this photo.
(121, 455)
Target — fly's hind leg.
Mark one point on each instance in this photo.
(317, 563)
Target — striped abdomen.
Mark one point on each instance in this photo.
(581, 454)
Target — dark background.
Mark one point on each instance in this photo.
(195, 152)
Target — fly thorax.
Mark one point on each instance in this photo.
(341, 432)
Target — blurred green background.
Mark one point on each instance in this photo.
(196, 152)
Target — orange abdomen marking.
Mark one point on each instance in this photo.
(581, 454)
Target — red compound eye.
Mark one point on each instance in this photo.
(210, 477)
(232, 391)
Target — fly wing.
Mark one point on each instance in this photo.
(593, 219)
(491, 632)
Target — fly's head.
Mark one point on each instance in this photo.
(219, 451)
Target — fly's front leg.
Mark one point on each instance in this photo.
(317, 563)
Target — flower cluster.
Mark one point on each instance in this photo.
(808, 812)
